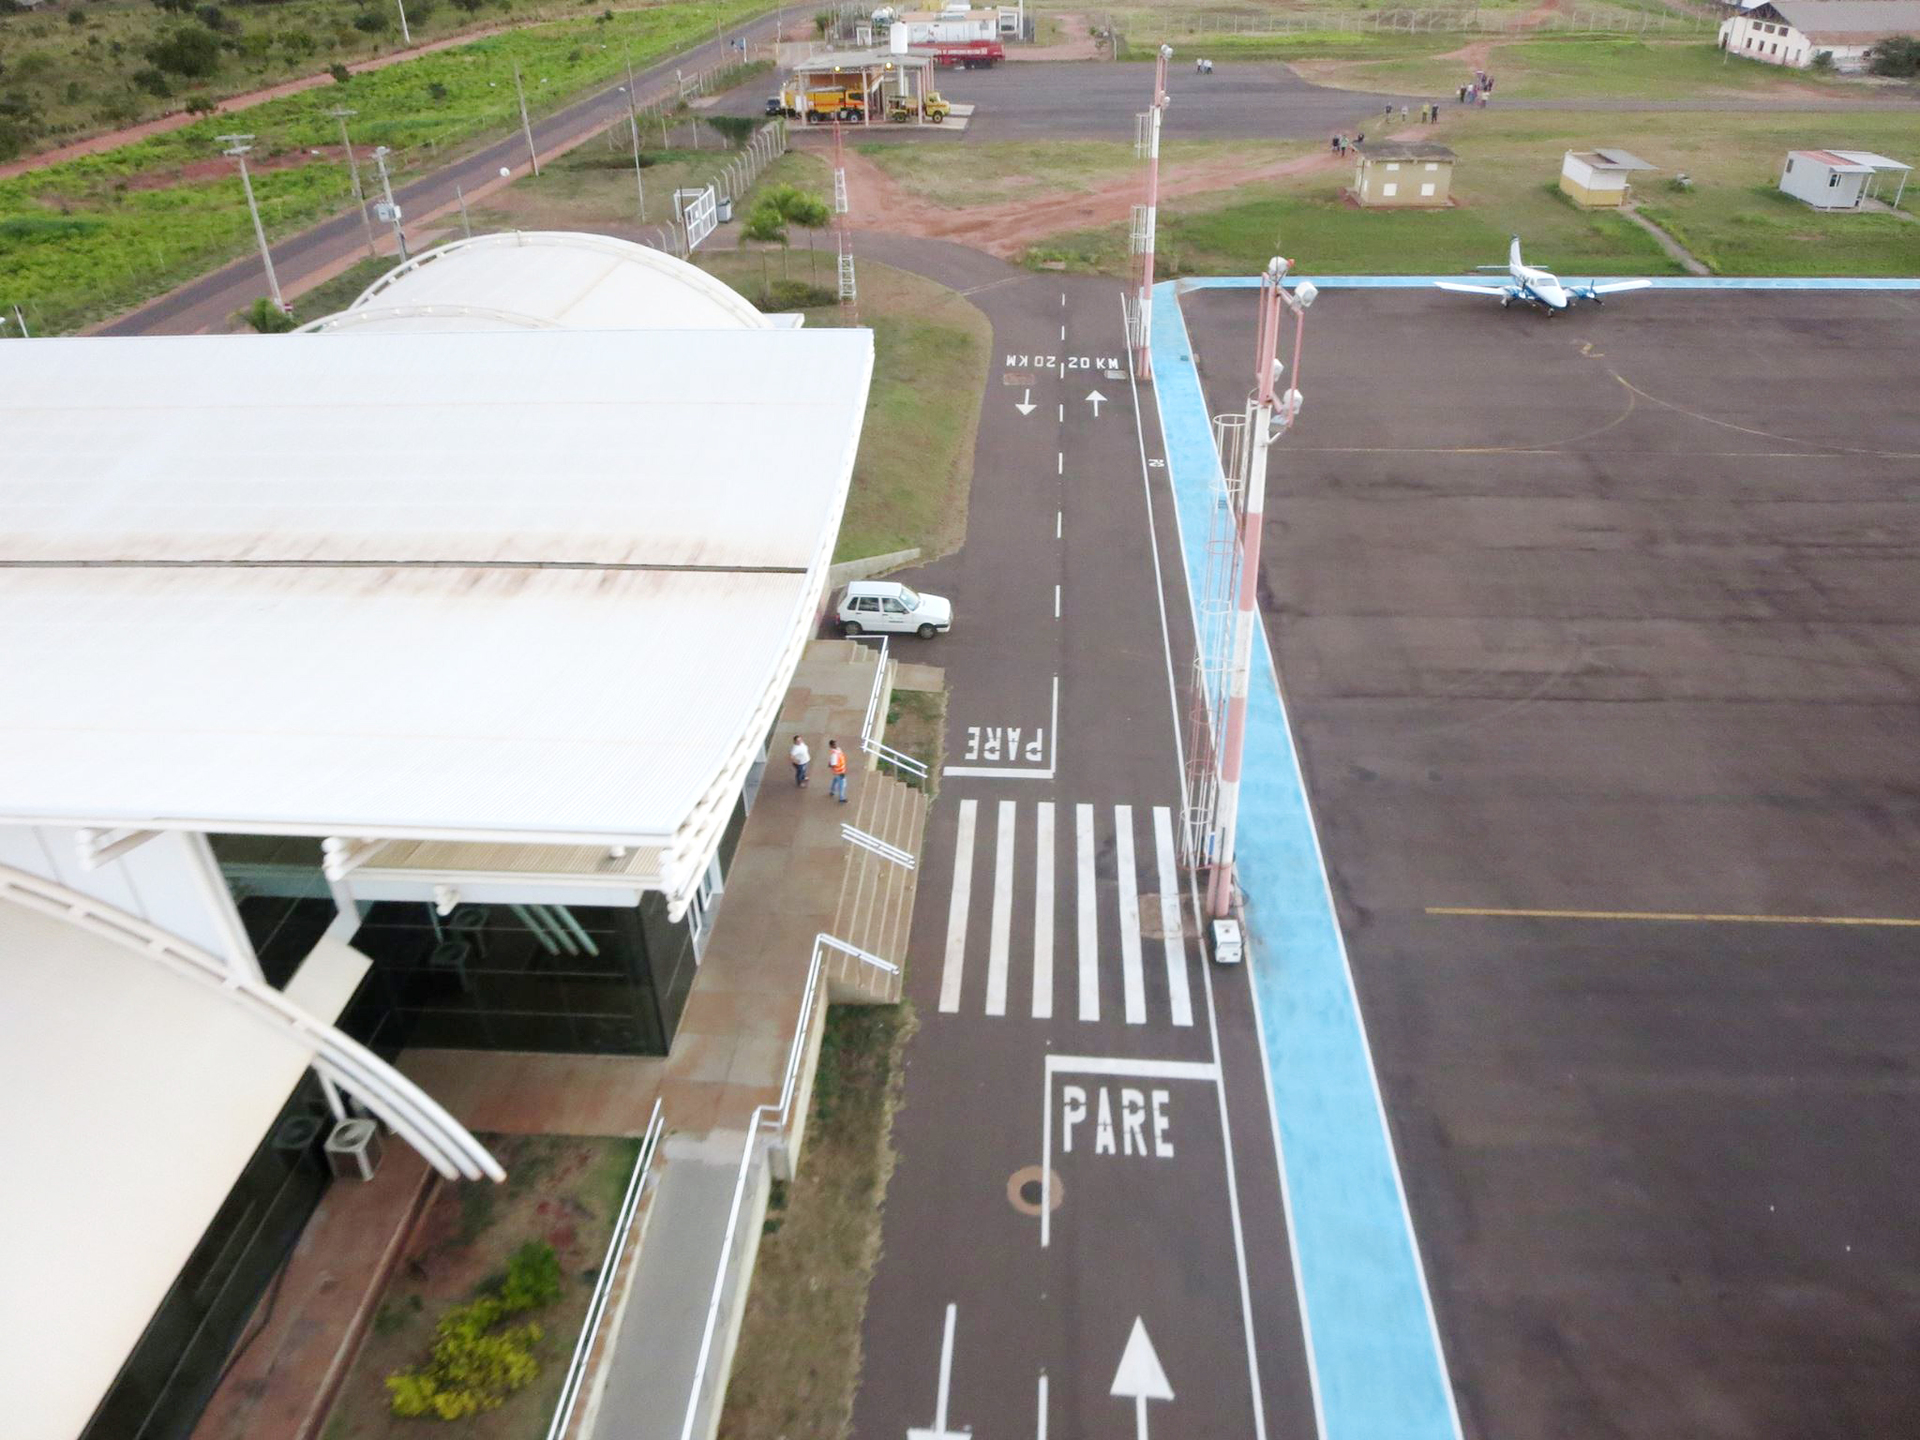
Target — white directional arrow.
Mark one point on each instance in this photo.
(1140, 1377)
(1025, 404)
(1096, 398)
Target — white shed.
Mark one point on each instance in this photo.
(1836, 179)
(1599, 177)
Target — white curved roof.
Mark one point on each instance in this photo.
(544, 280)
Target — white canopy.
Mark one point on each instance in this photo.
(525, 586)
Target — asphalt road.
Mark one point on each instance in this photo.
(209, 302)
(1056, 1033)
(1620, 612)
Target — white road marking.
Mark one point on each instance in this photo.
(1206, 977)
(1126, 1065)
(1171, 926)
(1056, 602)
(1063, 332)
(1089, 928)
(1040, 1424)
(1001, 934)
(1059, 520)
(939, 1430)
(957, 909)
(1133, 983)
(1063, 412)
(1043, 911)
(998, 772)
(1060, 463)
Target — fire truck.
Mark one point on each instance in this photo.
(964, 54)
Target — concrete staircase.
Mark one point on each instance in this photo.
(875, 909)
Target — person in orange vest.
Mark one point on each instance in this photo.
(837, 763)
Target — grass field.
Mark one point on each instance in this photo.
(1574, 67)
(1505, 185)
(70, 68)
(911, 478)
(88, 237)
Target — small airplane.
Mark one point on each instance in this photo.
(1533, 286)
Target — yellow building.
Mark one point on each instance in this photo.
(1597, 178)
(1402, 172)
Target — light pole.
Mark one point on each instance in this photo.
(20, 320)
(237, 148)
(405, 33)
(342, 113)
(1268, 416)
(390, 210)
(526, 125)
(633, 123)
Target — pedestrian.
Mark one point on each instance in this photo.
(1387, 117)
(1334, 144)
(1462, 93)
(1483, 99)
(1403, 114)
(801, 757)
(1359, 139)
(837, 763)
(1199, 67)
(1472, 94)
(1488, 87)
(1436, 112)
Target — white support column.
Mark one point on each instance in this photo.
(235, 948)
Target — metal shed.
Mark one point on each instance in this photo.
(1402, 173)
(1838, 179)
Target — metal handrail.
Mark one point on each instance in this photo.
(603, 1287)
(879, 749)
(853, 835)
(778, 1113)
(890, 756)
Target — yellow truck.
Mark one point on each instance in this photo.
(819, 106)
(932, 108)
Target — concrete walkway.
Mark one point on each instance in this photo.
(1665, 241)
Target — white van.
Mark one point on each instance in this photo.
(885, 607)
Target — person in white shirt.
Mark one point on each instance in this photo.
(801, 757)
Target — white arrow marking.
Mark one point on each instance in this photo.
(939, 1430)
(1025, 404)
(1096, 398)
(1140, 1377)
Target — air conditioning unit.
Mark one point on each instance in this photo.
(353, 1150)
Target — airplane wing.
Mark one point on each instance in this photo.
(1461, 288)
(1614, 287)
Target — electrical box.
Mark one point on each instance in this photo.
(386, 214)
(1227, 943)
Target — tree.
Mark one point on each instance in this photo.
(193, 53)
(1898, 55)
(767, 226)
(802, 208)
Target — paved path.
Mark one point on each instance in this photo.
(325, 249)
(1666, 242)
(1072, 1033)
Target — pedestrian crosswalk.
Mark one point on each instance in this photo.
(1127, 940)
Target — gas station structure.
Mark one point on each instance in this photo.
(877, 77)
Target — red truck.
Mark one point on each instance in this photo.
(968, 54)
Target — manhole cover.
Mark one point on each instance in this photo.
(1026, 1185)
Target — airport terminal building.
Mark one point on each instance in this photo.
(402, 683)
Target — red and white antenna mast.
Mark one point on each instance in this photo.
(1147, 144)
(849, 292)
(1271, 409)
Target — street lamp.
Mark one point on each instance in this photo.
(237, 148)
(405, 33)
(388, 210)
(341, 113)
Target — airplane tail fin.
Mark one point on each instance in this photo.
(1513, 255)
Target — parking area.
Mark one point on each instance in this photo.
(1601, 642)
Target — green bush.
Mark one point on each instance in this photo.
(268, 318)
(1898, 56)
(476, 1365)
(192, 53)
(372, 22)
(798, 295)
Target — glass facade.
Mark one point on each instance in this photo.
(172, 1372)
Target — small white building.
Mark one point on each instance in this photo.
(1837, 179)
(1596, 178)
(1792, 32)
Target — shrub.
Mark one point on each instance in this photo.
(797, 295)
(13, 139)
(192, 53)
(1898, 55)
(1822, 61)
(201, 105)
(533, 1278)
(476, 1365)
(339, 72)
(212, 16)
(76, 18)
(267, 317)
(371, 22)
(152, 81)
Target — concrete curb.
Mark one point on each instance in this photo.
(871, 565)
